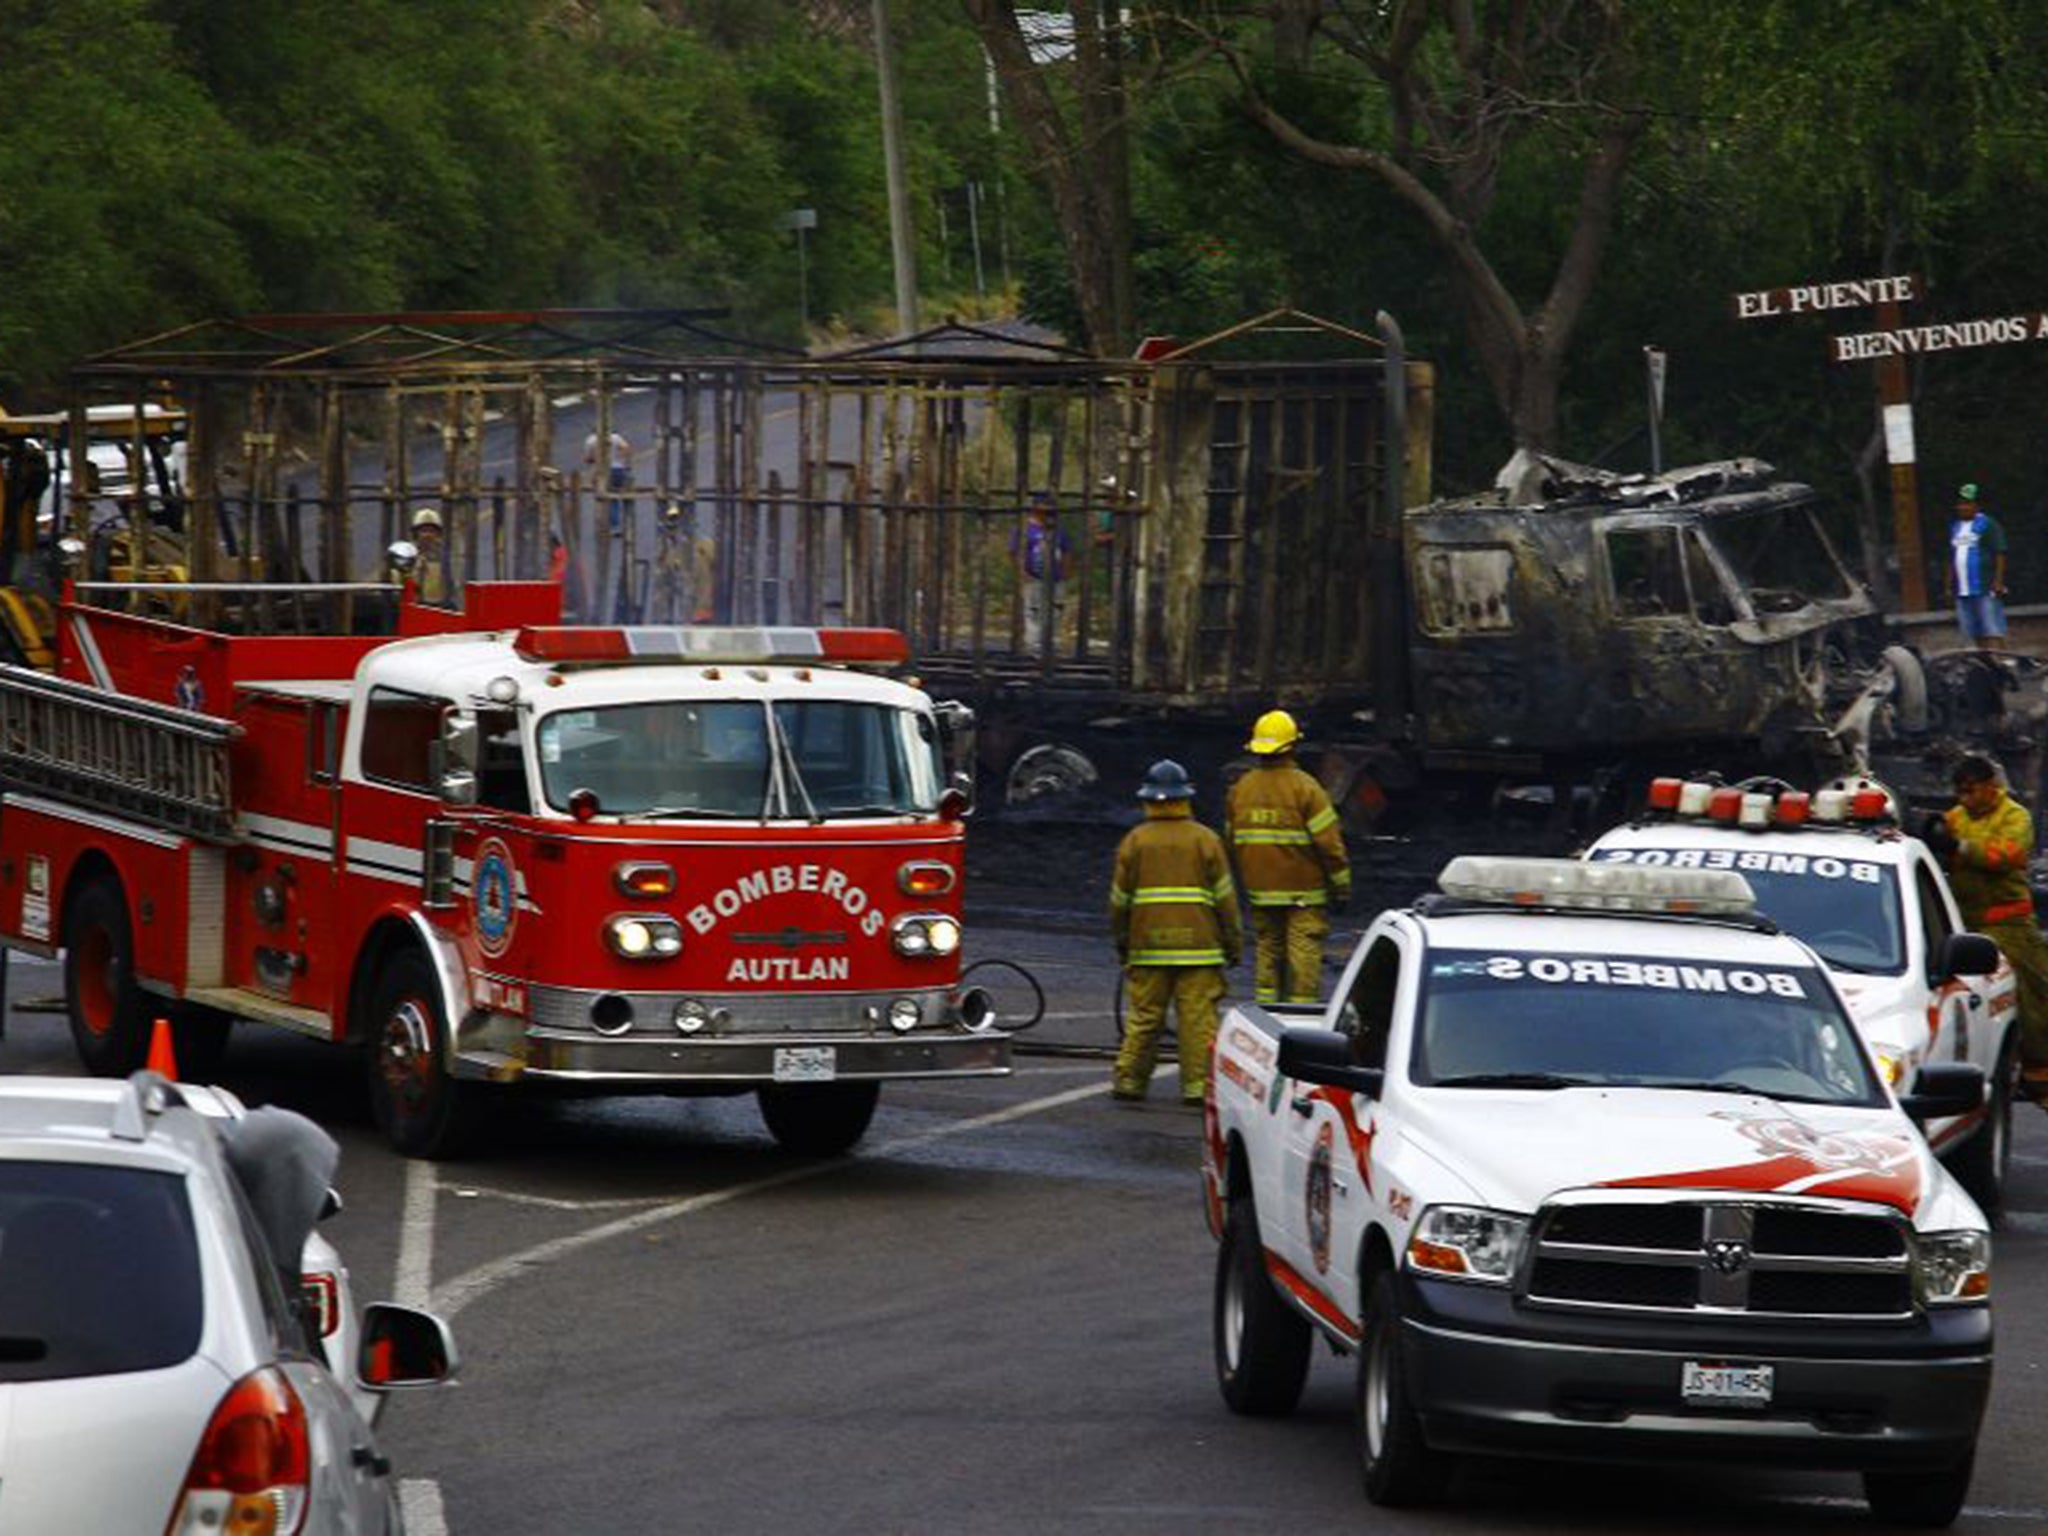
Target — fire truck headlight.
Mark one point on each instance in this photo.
(905, 1015)
(691, 1016)
(636, 937)
(1461, 1242)
(919, 934)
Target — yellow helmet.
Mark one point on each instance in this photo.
(1274, 731)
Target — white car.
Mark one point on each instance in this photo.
(141, 1305)
(1836, 870)
(1589, 1162)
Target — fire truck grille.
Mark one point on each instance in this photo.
(568, 1010)
(1772, 1259)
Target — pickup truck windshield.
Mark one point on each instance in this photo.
(1847, 909)
(820, 760)
(1782, 557)
(1495, 1018)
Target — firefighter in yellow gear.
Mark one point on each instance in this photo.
(1173, 913)
(1986, 838)
(1290, 859)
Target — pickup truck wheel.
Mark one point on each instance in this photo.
(1262, 1346)
(1929, 1500)
(103, 1003)
(420, 1108)
(1981, 1162)
(818, 1119)
(1400, 1468)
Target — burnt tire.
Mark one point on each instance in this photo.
(1926, 1500)
(1262, 1345)
(1981, 1163)
(818, 1119)
(1400, 1468)
(108, 1013)
(420, 1108)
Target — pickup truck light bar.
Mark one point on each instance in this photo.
(1567, 883)
(1858, 801)
(733, 644)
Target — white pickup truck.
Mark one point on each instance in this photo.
(1834, 868)
(1590, 1161)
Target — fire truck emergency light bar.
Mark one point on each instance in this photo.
(1859, 801)
(1596, 887)
(732, 644)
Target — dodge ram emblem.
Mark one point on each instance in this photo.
(1728, 1255)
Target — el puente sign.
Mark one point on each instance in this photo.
(1895, 340)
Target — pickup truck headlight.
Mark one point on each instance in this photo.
(1954, 1267)
(1463, 1242)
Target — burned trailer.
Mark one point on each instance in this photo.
(1581, 617)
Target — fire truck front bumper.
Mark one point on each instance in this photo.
(655, 1040)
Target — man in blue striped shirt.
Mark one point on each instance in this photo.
(1976, 572)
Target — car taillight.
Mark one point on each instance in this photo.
(252, 1472)
(323, 1295)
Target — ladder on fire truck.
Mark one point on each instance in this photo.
(146, 762)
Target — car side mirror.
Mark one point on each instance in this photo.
(404, 1347)
(1965, 954)
(1945, 1088)
(1323, 1056)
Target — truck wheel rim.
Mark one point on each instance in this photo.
(405, 1055)
(1233, 1320)
(98, 992)
(1378, 1366)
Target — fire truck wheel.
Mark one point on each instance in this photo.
(818, 1119)
(1400, 1468)
(1262, 1346)
(421, 1110)
(105, 1005)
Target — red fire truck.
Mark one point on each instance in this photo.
(496, 849)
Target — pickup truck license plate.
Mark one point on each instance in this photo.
(806, 1063)
(1711, 1384)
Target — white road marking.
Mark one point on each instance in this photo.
(419, 1500)
(451, 1298)
(1970, 1511)
(413, 1283)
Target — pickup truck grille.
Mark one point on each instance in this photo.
(1715, 1257)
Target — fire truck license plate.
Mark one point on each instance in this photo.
(1711, 1384)
(806, 1064)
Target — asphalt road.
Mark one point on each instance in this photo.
(993, 1318)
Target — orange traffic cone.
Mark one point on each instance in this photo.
(161, 1057)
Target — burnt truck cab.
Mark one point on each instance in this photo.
(1579, 606)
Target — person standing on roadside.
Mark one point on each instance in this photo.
(618, 470)
(431, 582)
(1986, 840)
(1976, 572)
(1173, 915)
(1291, 861)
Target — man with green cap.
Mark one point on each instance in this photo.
(1173, 914)
(1976, 572)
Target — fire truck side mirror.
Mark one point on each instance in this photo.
(956, 750)
(455, 758)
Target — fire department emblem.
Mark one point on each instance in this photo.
(495, 893)
(1319, 1179)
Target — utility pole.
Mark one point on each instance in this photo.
(902, 245)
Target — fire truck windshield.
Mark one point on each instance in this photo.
(822, 759)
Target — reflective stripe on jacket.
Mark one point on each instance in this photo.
(1171, 900)
(1989, 871)
(1284, 835)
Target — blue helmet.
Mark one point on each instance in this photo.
(1166, 780)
